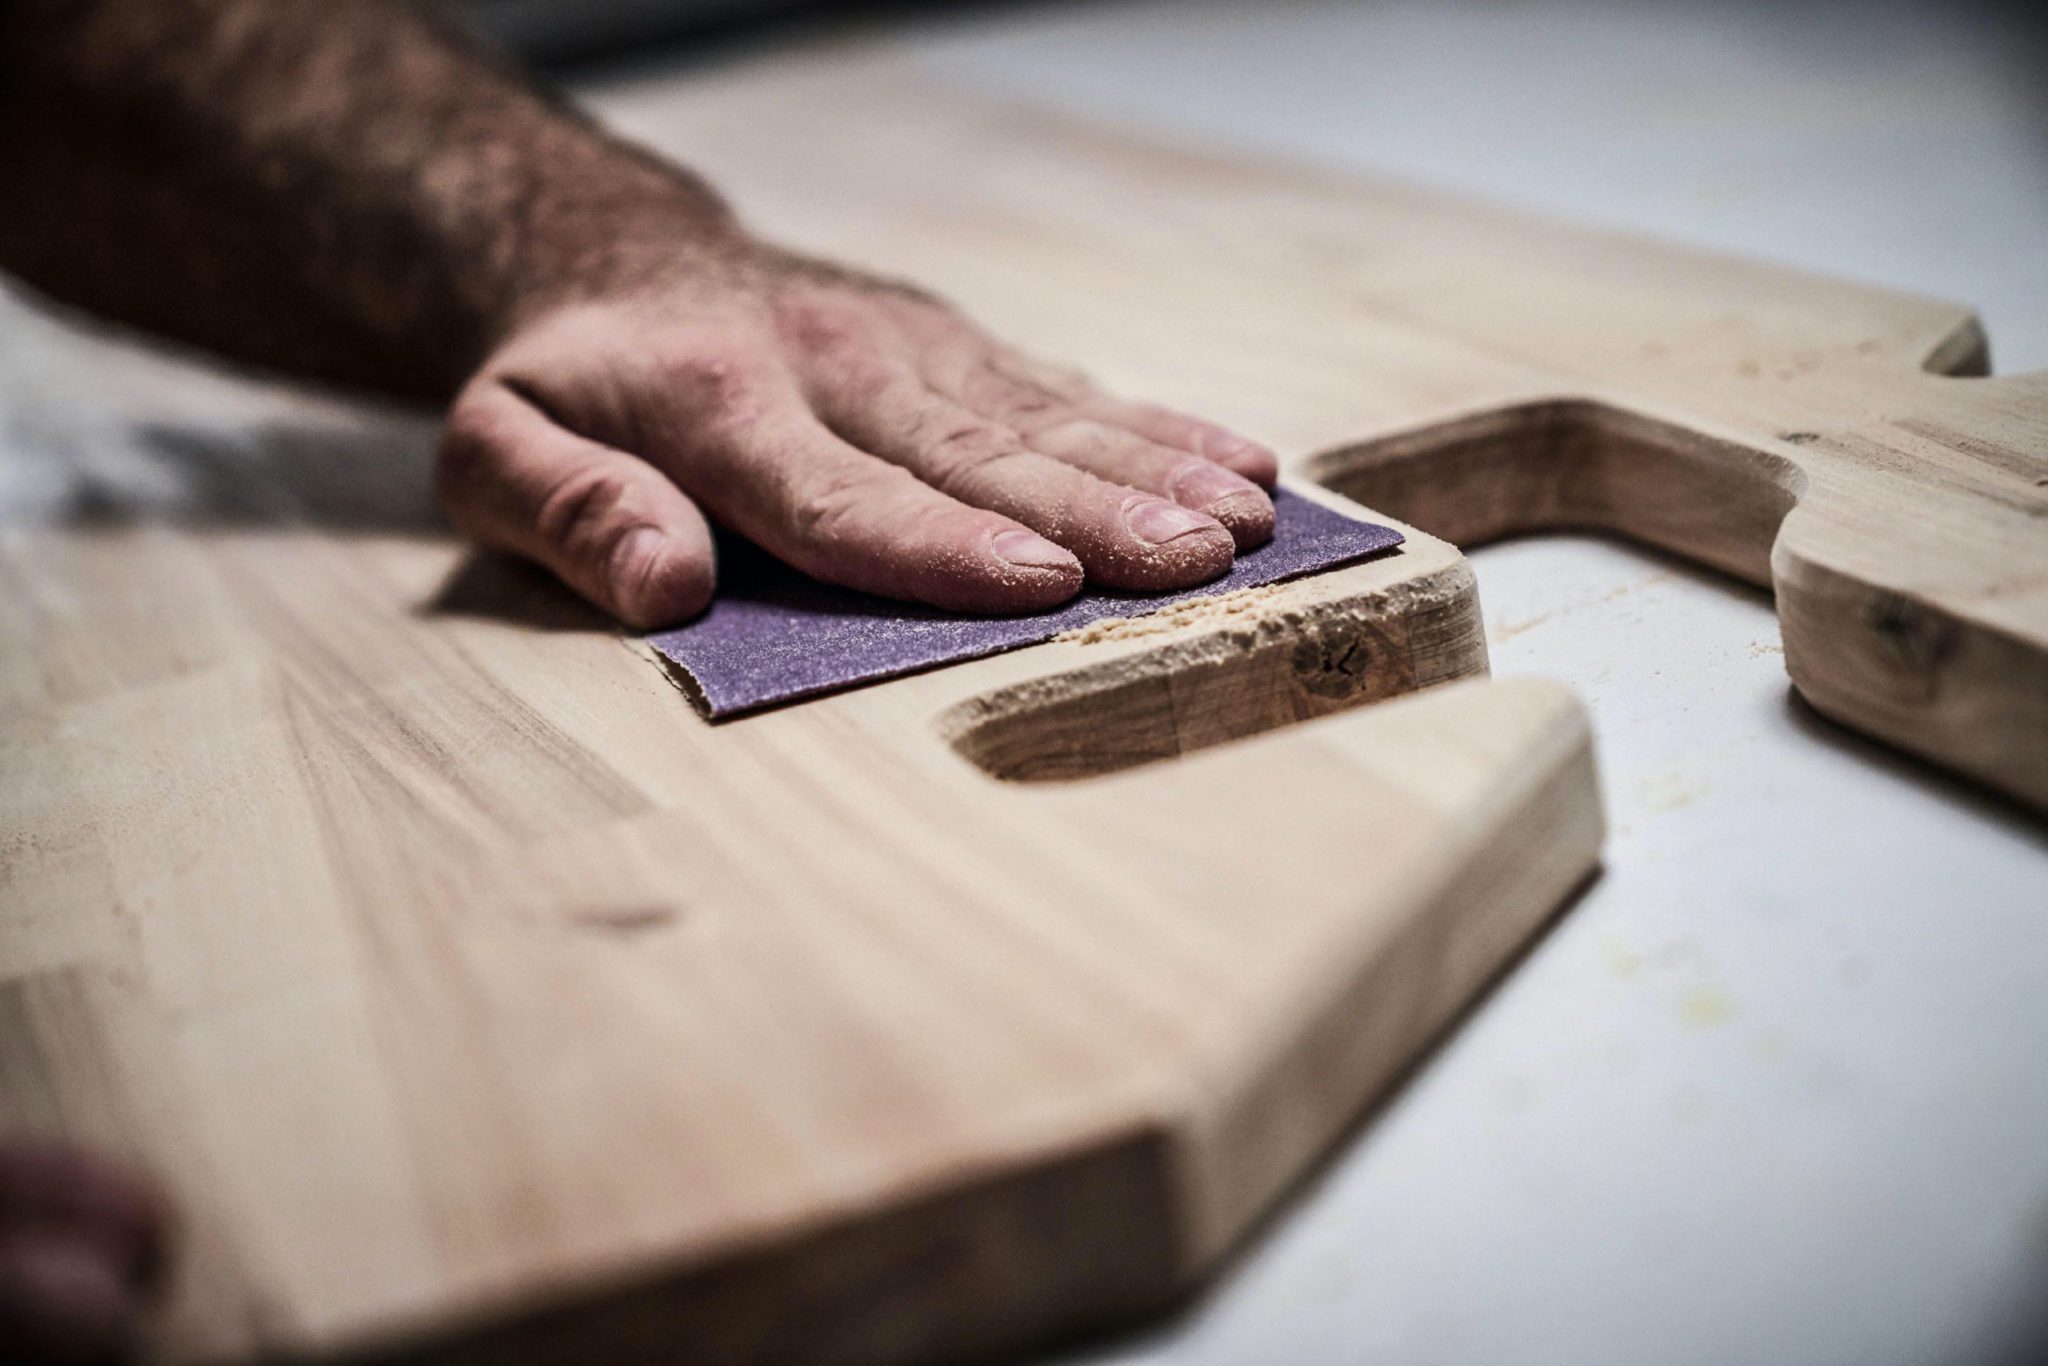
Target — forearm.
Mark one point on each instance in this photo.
(335, 188)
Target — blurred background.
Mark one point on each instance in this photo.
(1900, 141)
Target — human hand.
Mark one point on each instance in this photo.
(356, 196)
(859, 430)
(83, 1244)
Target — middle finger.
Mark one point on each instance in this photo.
(1069, 427)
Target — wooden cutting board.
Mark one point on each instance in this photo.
(1478, 372)
(479, 1001)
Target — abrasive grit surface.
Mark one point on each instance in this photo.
(775, 635)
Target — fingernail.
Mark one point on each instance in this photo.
(1200, 485)
(1159, 521)
(1030, 550)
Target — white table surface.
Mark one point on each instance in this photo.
(1776, 1089)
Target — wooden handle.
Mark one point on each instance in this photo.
(1902, 524)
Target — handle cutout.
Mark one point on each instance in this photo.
(1576, 464)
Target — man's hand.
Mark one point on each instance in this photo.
(82, 1251)
(343, 191)
(857, 429)
(351, 194)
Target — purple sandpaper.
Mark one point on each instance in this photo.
(775, 635)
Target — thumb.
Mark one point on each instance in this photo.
(610, 525)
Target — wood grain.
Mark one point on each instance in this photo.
(479, 1002)
(455, 972)
(1477, 372)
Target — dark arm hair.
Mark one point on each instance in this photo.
(342, 189)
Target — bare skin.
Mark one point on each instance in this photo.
(343, 191)
(353, 195)
(82, 1244)
(868, 435)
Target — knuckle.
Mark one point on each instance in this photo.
(1019, 402)
(708, 379)
(958, 453)
(1110, 450)
(973, 467)
(585, 508)
(953, 442)
(822, 326)
(831, 502)
(869, 388)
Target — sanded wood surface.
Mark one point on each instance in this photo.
(478, 1000)
(1478, 372)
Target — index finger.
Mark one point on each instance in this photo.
(783, 479)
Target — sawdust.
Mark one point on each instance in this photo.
(1246, 602)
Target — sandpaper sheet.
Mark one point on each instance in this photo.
(775, 635)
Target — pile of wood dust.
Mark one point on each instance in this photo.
(1243, 603)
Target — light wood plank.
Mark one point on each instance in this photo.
(479, 1001)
